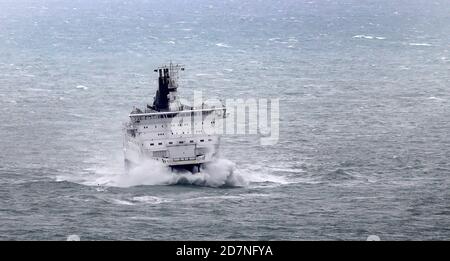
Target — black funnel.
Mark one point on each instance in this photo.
(161, 99)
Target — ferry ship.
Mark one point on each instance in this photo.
(176, 134)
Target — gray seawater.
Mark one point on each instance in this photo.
(364, 134)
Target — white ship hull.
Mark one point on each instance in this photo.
(164, 140)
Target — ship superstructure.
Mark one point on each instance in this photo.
(168, 131)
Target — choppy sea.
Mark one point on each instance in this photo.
(364, 143)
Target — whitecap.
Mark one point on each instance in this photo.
(223, 45)
(38, 90)
(82, 87)
(290, 170)
(149, 200)
(435, 98)
(362, 36)
(259, 176)
(369, 37)
(420, 44)
(101, 189)
(254, 195)
(144, 218)
(213, 198)
(122, 202)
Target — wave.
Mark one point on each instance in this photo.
(435, 98)
(370, 37)
(38, 90)
(226, 197)
(149, 200)
(121, 202)
(212, 198)
(223, 45)
(420, 44)
(81, 87)
(219, 173)
(109, 172)
(339, 175)
(153, 200)
(137, 200)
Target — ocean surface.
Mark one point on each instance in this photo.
(364, 142)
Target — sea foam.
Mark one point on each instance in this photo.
(219, 173)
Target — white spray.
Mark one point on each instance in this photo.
(218, 173)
